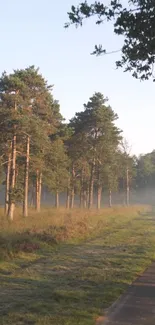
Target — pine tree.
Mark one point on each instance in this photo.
(94, 133)
(56, 174)
(26, 101)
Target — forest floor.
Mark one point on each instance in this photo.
(74, 281)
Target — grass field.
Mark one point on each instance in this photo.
(66, 268)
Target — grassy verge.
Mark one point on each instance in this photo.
(64, 268)
(51, 227)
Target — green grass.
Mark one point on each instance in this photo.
(73, 281)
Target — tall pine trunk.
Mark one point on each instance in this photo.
(26, 178)
(110, 199)
(11, 207)
(40, 190)
(72, 189)
(37, 205)
(91, 186)
(32, 199)
(127, 187)
(81, 191)
(99, 193)
(84, 199)
(68, 198)
(81, 198)
(87, 196)
(57, 199)
(12, 179)
(99, 189)
(72, 198)
(7, 188)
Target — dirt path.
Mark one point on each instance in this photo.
(137, 305)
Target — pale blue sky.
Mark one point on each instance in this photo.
(32, 33)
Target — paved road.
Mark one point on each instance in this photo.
(137, 305)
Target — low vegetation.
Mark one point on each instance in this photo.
(52, 227)
(66, 267)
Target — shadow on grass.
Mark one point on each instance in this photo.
(75, 282)
(71, 285)
(72, 297)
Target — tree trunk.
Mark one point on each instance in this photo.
(72, 189)
(11, 206)
(72, 198)
(37, 205)
(57, 199)
(67, 199)
(12, 180)
(91, 186)
(40, 190)
(26, 179)
(81, 198)
(84, 199)
(7, 189)
(127, 187)
(32, 199)
(87, 196)
(99, 192)
(110, 199)
(81, 191)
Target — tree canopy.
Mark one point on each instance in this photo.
(84, 159)
(135, 21)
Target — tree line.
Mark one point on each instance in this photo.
(82, 157)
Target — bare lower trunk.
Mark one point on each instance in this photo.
(7, 189)
(127, 196)
(37, 192)
(87, 196)
(91, 187)
(81, 191)
(40, 189)
(57, 199)
(26, 179)
(12, 180)
(99, 192)
(110, 199)
(72, 199)
(67, 199)
(91, 191)
(81, 198)
(84, 199)
(32, 199)
(11, 206)
(127, 188)
(72, 188)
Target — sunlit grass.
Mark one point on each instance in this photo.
(52, 226)
(63, 217)
(72, 280)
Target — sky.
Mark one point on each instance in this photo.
(32, 33)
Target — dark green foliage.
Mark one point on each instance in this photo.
(146, 170)
(56, 160)
(27, 109)
(135, 21)
(80, 157)
(95, 137)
